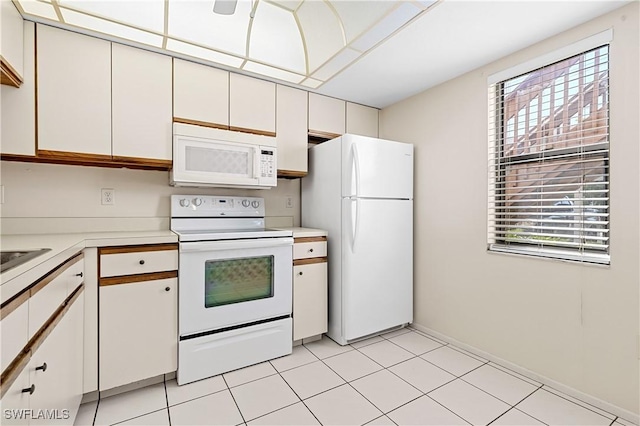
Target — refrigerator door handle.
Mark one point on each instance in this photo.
(356, 167)
(355, 226)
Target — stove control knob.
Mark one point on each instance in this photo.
(184, 202)
(246, 203)
(255, 204)
(197, 202)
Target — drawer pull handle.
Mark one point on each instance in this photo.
(300, 273)
(142, 261)
(80, 275)
(31, 389)
(167, 289)
(311, 250)
(43, 367)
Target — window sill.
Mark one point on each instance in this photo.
(589, 259)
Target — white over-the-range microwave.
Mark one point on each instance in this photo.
(204, 156)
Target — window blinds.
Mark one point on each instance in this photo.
(549, 160)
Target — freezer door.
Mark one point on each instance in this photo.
(377, 268)
(376, 168)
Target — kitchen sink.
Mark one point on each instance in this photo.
(11, 259)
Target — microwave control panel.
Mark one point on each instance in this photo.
(267, 163)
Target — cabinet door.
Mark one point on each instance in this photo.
(14, 332)
(11, 46)
(200, 94)
(326, 115)
(15, 400)
(362, 120)
(138, 331)
(56, 369)
(252, 104)
(141, 96)
(74, 92)
(309, 300)
(19, 104)
(291, 130)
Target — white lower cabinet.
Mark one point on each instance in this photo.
(309, 300)
(310, 273)
(16, 401)
(138, 331)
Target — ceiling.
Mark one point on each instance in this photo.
(373, 52)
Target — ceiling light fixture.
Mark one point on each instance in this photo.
(225, 7)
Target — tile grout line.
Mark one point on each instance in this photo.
(166, 398)
(234, 399)
(586, 405)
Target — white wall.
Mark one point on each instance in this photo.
(46, 198)
(572, 323)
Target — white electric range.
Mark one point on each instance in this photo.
(235, 285)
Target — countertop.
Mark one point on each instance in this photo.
(62, 247)
(299, 232)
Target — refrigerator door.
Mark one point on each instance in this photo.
(377, 265)
(376, 168)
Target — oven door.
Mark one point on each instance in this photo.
(228, 283)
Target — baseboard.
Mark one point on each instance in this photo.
(589, 399)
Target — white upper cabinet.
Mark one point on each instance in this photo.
(19, 104)
(252, 104)
(74, 92)
(11, 46)
(362, 120)
(326, 116)
(200, 94)
(141, 103)
(291, 131)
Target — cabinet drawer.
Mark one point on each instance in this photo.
(137, 262)
(310, 249)
(48, 294)
(15, 329)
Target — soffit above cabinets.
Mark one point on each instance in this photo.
(303, 42)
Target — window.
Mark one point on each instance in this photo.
(549, 160)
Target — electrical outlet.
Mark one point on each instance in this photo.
(108, 196)
(289, 203)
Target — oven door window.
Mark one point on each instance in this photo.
(237, 280)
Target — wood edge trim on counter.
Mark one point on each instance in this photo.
(322, 134)
(254, 131)
(309, 239)
(291, 174)
(15, 368)
(137, 248)
(146, 162)
(14, 302)
(200, 123)
(9, 75)
(309, 261)
(52, 275)
(132, 279)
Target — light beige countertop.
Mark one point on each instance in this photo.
(63, 246)
(299, 232)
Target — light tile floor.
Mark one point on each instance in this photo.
(401, 378)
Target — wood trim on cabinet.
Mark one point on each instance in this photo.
(39, 285)
(310, 261)
(137, 278)
(154, 163)
(14, 302)
(8, 74)
(200, 123)
(309, 239)
(291, 174)
(75, 157)
(19, 157)
(324, 136)
(11, 373)
(137, 249)
(254, 131)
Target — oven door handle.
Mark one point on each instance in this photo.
(201, 246)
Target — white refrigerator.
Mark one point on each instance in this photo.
(360, 190)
